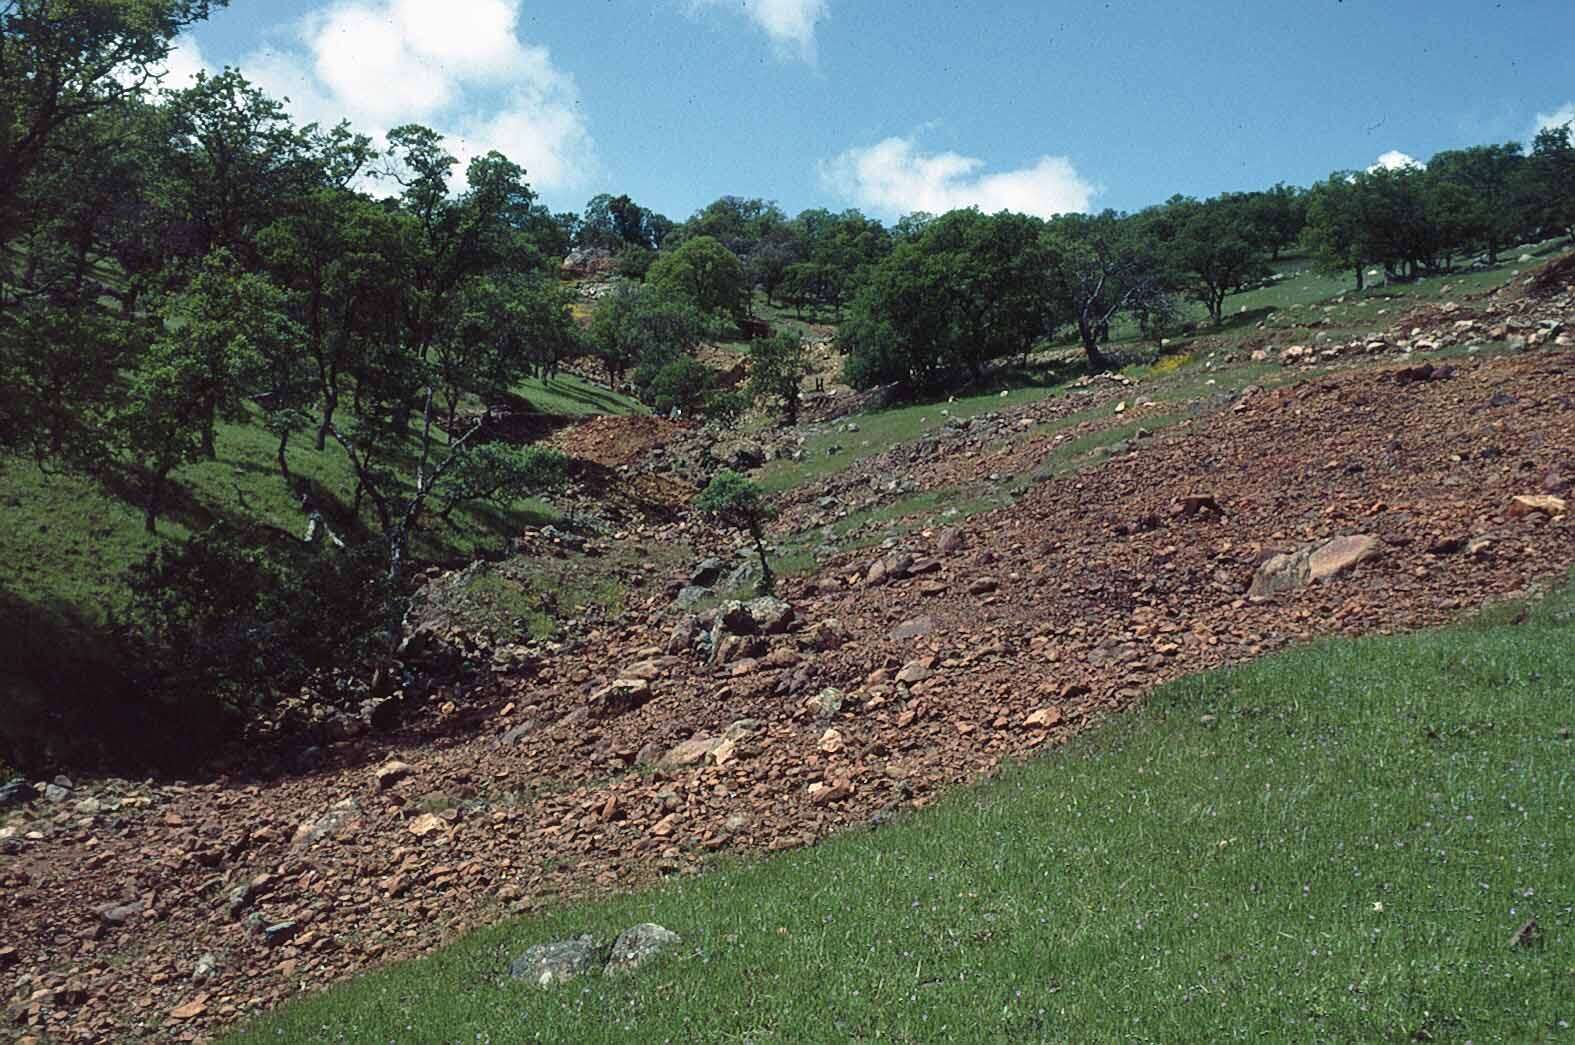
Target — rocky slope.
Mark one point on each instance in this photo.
(1382, 496)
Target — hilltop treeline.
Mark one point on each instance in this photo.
(172, 260)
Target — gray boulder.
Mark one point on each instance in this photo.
(771, 615)
(547, 964)
(17, 792)
(635, 946)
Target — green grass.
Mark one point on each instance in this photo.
(68, 539)
(568, 395)
(830, 449)
(1334, 844)
(530, 597)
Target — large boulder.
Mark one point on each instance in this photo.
(1298, 569)
(623, 695)
(17, 792)
(548, 964)
(638, 945)
(338, 822)
(771, 615)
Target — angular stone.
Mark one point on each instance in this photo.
(913, 672)
(1537, 504)
(548, 964)
(691, 752)
(724, 752)
(425, 824)
(120, 914)
(1044, 718)
(339, 821)
(207, 968)
(826, 794)
(824, 636)
(622, 696)
(647, 670)
(771, 615)
(826, 703)
(1342, 554)
(637, 945)
(1295, 570)
(831, 742)
(682, 638)
(917, 628)
(390, 773)
(190, 1010)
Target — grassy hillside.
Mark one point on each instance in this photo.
(1342, 843)
(68, 539)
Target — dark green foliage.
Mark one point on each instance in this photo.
(500, 474)
(223, 618)
(704, 273)
(777, 368)
(736, 500)
(674, 383)
(1545, 185)
(637, 325)
(1211, 248)
(968, 290)
(726, 408)
(635, 262)
(1102, 267)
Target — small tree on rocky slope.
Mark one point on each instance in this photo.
(736, 500)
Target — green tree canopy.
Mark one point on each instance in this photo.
(703, 272)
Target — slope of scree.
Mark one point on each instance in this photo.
(136, 911)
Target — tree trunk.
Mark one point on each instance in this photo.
(1097, 361)
(150, 517)
(208, 449)
(330, 404)
(284, 461)
(1361, 277)
(768, 581)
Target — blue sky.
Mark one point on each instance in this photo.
(899, 106)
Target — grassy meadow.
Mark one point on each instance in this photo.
(1339, 843)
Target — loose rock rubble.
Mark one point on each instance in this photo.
(1350, 503)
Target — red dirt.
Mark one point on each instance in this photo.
(1090, 590)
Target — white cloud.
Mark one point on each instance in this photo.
(183, 64)
(895, 178)
(177, 72)
(1559, 117)
(1395, 160)
(789, 23)
(458, 66)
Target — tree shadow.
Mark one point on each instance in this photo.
(69, 697)
(603, 401)
(128, 483)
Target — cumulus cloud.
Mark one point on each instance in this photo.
(458, 66)
(789, 23)
(177, 72)
(1562, 116)
(895, 177)
(1395, 160)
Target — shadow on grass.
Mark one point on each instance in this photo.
(68, 698)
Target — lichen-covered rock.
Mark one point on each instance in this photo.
(548, 964)
(637, 945)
